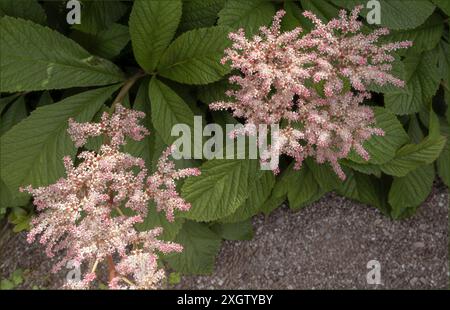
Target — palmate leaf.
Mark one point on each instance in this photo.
(32, 151)
(422, 82)
(152, 26)
(221, 188)
(37, 58)
(200, 247)
(395, 14)
(194, 57)
(249, 15)
(29, 9)
(411, 190)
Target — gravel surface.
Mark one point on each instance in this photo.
(326, 245)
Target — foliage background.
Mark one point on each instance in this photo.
(166, 53)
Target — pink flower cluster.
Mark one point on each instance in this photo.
(91, 214)
(303, 82)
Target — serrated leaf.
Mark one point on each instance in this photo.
(45, 99)
(106, 43)
(324, 175)
(152, 26)
(258, 194)
(364, 188)
(26, 9)
(14, 114)
(98, 15)
(221, 188)
(37, 58)
(194, 57)
(382, 148)
(411, 156)
(302, 188)
(411, 190)
(425, 37)
(200, 13)
(234, 231)
(323, 9)
(249, 15)
(201, 246)
(395, 14)
(362, 167)
(168, 109)
(32, 151)
(422, 82)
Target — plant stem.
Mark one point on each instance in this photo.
(111, 268)
(126, 88)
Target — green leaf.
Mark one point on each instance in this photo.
(411, 156)
(36, 58)
(201, 246)
(214, 92)
(107, 43)
(200, 13)
(323, 10)
(443, 162)
(26, 9)
(45, 99)
(5, 101)
(293, 17)
(152, 26)
(422, 78)
(221, 188)
(158, 219)
(6, 284)
(411, 190)
(249, 15)
(324, 175)
(14, 114)
(444, 5)
(259, 193)
(364, 188)
(382, 148)
(362, 167)
(168, 109)
(32, 151)
(425, 37)
(234, 231)
(98, 15)
(395, 14)
(194, 57)
(302, 188)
